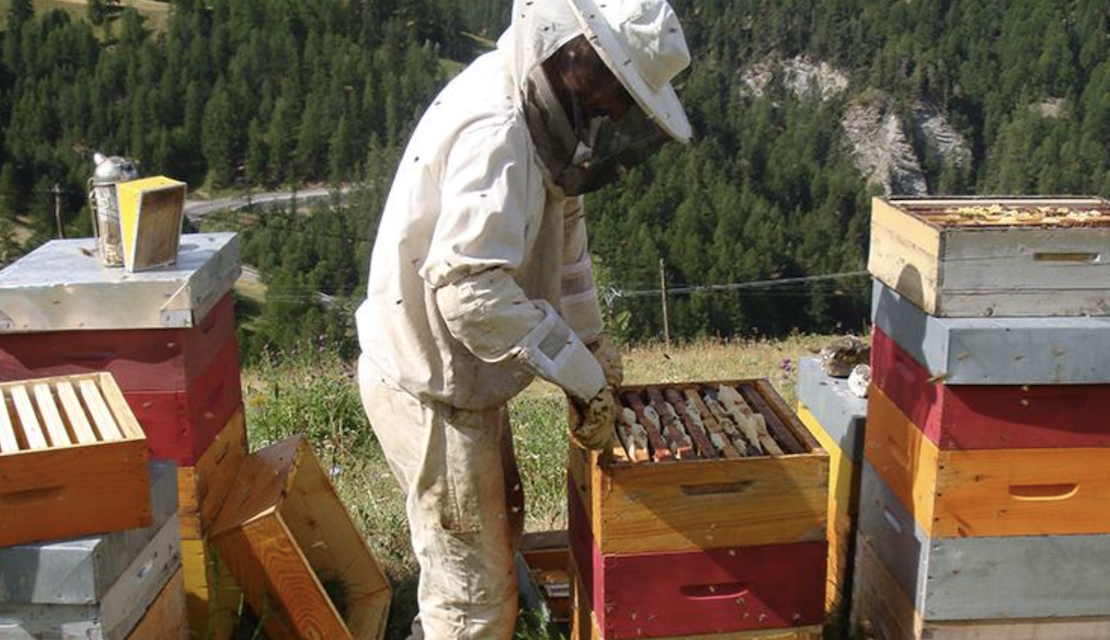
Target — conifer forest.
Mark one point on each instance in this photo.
(802, 110)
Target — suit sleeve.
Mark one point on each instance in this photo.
(579, 300)
(491, 193)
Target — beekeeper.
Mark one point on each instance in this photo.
(480, 279)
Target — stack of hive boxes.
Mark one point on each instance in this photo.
(89, 542)
(987, 462)
(679, 541)
(837, 418)
(168, 338)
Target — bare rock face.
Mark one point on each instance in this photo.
(1051, 108)
(941, 137)
(800, 75)
(880, 149)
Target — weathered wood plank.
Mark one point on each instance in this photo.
(28, 420)
(985, 578)
(987, 492)
(117, 613)
(75, 414)
(105, 424)
(49, 411)
(881, 610)
(8, 441)
(977, 271)
(166, 618)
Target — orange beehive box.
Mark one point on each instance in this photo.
(72, 460)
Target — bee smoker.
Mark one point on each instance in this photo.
(104, 205)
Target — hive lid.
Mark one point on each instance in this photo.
(62, 286)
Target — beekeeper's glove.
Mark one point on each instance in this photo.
(593, 423)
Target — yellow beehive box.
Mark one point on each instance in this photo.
(151, 212)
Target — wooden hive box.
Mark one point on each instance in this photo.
(139, 359)
(881, 611)
(212, 595)
(72, 460)
(996, 492)
(707, 544)
(151, 212)
(78, 571)
(112, 616)
(289, 542)
(202, 488)
(165, 619)
(585, 625)
(962, 417)
(837, 418)
(547, 554)
(213, 599)
(696, 504)
(985, 578)
(181, 425)
(991, 256)
(996, 351)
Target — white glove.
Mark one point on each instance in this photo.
(592, 424)
(609, 359)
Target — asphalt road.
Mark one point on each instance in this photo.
(197, 209)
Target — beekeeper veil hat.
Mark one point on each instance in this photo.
(641, 43)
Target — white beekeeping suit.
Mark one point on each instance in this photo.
(480, 280)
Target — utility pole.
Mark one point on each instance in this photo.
(663, 294)
(57, 191)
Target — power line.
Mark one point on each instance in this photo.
(737, 286)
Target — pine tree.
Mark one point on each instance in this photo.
(218, 138)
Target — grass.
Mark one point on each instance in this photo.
(317, 394)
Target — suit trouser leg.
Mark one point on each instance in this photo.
(464, 504)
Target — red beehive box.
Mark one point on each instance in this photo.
(139, 359)
(990, 416)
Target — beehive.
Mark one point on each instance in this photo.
(962, 417)
(838, 421)
(716, 526)
(72, 460)
(986, 256)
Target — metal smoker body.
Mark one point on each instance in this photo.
(104, 205)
